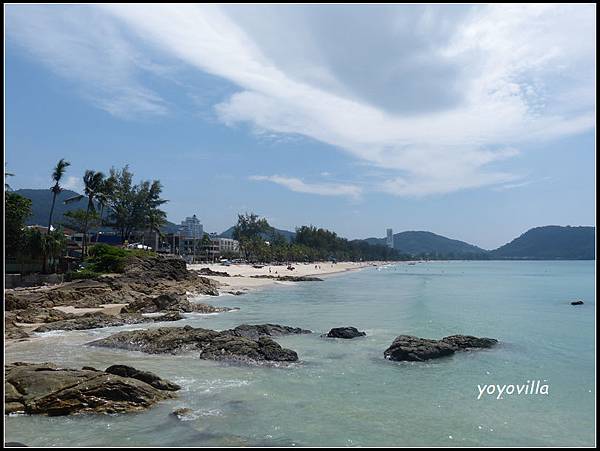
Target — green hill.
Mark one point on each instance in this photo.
(428, 244)
(549, 243)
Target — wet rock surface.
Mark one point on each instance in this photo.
(255, 331)
(44, 388)
(170, 302)
(345, 332)
(210, 344)
(410, 348)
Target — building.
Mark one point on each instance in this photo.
(389, 240)
(226, 245)
(191, 228)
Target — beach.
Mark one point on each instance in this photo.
(246, 277)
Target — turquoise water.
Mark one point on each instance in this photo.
(343, 392)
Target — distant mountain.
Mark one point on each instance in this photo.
(549, 243)
(420, 243)
(41, 201)
(289, 236)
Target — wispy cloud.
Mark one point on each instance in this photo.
(435, 95)
(322, 189)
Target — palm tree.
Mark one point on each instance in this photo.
(7, 174)
(94, 183)
(57, 174)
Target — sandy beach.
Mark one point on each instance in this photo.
(241, 275)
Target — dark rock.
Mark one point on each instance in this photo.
(210, 272)
(461, 342)
(410, 348)
(38, 315)
(170, 302)
(345, 332)
(254, 332)
(210, 344)
(578, 302)
(288, 278)
(14, 332)
(183, 413)
(144, 376)
(14, 445)
(47, 389)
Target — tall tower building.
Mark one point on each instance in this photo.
(192, 228)
(389, 241)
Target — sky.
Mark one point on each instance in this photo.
(476, 122)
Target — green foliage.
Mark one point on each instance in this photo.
(75, 219)
(17, 210)
(111, 259)
(82, 274)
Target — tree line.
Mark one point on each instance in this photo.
(260, 242)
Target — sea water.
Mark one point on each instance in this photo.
(343, 392)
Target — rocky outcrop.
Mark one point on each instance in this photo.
(208, 343)
(97, 320)
(210, 272)
(410, 348)
(144, 376)
(37, 315)
(47, 389)
(169, 302)
(255, 331)
(13, 332)
(142, 277)
(345, 332)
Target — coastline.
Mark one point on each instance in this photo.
(244, 278)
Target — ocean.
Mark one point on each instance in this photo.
(343, 392)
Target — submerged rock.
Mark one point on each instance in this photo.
(410, 348)
(577, 302)
(255, 331)
(345, 332)
(44, 388)
(210, 344)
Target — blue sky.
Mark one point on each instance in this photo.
(474, 122)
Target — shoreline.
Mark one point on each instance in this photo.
(243, 278)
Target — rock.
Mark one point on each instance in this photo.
(15, 445)
(47, 389)
(170, 302)
(38, 315)
(288, 278)
(144, 376)
(183, 414)
(210, 344)
(97, 320)
(142, 277)
(410, 348)
(236, 293)
(14, 332)
(345, 332)
(210, 272)
(254, 332)
(461, 342)
(577, 302)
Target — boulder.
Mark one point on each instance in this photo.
(44, 388)
(208, 343)
(144, 376)
(410, 348)
(577, 302)
(345, 332)
(169, 302)
(255, 331)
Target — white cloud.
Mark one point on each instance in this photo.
(322, 189)
(435, 95)
(73, 183)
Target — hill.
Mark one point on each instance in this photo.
(549, 243)
(421, 244)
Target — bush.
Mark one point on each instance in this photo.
(104, 258)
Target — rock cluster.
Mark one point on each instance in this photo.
(44, 388)
(210, 344)
(410, 348)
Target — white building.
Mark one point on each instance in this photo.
(389, 240)
(191, 228)
(226, 245)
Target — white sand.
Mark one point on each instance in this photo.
(241, 279)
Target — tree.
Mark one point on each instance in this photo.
(94, 183)
(57, 174)
(249, 231)
(75, 219)
(7, 174)
(17, 210)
